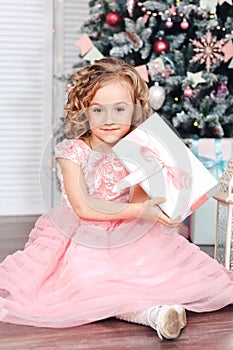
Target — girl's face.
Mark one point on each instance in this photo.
(110, 114)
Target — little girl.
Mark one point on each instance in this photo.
(107, 253)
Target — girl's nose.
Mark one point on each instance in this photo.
(109, 116)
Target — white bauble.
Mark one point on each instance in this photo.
(156, 96)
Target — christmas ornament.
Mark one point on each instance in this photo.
(221, 93)
(208, 50)
(196, 78)
(169, 24)
(84, 43)
(93, 55)
(134, 39)
(160, 46)
(179, 119)
(184, 24)
(130, 4)
(113, 18)
(68, 86)
(222, 1)
(228, 51)
(209, 5)
(145, 18)
(211, 122)
(231, 64)
(222, 90)
(172, 10)
(188, 92)
(217, 130)
(142, 71)
(156, 65)
(156, 96)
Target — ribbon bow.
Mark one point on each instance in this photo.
(216, 166)
(178, 177)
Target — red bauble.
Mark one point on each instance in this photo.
(113, 18)
(160, 46)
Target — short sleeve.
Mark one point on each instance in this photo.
(74, 150)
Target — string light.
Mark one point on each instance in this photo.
(212, 14)
(195, 123)
(173, 12)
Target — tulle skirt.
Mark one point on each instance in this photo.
(58, 280)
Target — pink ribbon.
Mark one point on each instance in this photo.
(178, 177)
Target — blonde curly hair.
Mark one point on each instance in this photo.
(88, 80)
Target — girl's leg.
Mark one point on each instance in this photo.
(167, 320)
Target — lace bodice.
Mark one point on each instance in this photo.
(101, 170)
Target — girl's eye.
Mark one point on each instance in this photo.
(120, 109)
(97, 110)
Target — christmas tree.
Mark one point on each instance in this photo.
(185, 50)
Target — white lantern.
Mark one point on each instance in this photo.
(224, 229)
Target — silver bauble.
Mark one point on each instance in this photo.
(156, 96)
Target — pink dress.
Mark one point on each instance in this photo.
(75, 271)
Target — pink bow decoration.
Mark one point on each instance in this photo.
(179, 178)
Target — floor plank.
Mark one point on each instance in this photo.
(212, 331)
(207, 331)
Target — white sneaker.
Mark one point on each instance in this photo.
(167, 320)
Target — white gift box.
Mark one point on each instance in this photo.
(162, 164)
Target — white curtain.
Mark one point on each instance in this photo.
(37, 43)
(25, 101)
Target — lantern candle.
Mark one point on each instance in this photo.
(224, 226)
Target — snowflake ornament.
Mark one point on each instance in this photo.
(208, 50)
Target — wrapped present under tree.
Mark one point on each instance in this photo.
(213, 153)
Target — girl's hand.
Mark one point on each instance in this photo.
(152, 212)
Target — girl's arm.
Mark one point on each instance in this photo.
(88, 207)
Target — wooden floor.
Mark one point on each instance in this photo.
(212, 331)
